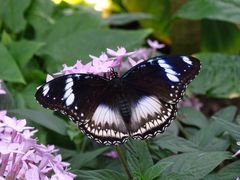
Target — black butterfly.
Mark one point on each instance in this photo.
(139, 104)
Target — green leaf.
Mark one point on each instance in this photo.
(28, 94)
(219, 36)
(196, 164)
(191, 116)
(6, 38)
(39, 16)
(231, 128)
(9, 70)
(71, 24)
(176, 144)
(217, 144)
(227, 114)
(79, 45)
(161, 13)
(82, 159)
(12, 13)
(43, 118)
(124, 18)
(24, 50)
(213, 66)
(230, 171)
(104, 174)
(155, 171)
(206, 137)
(138, 157)
(224, 10)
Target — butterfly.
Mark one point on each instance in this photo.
(140, 104)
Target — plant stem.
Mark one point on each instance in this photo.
(123, 161)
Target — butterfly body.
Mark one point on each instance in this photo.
(139, 104)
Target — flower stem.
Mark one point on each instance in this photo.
(123, 161)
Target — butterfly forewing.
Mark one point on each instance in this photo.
(81, 97)
(164, 76)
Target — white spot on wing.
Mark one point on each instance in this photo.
(69, 80)
(165, 66)
(172, 78)
(69, 85)
(186, 60)
(70, 99)
(161, 61)
(170, 71)
(67, 93)
(45, 89)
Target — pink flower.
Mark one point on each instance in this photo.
(103, 64)
(21, 157)
(155, 44)
(1, 90)
(102, 58)
(100, 66)
(112, 154)
(134, 63)
(191, 101)
(49, 78)
(82, 68)
(142, 53)
(2, 114)
(121, 52)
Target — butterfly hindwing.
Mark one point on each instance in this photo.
(164, 76)
(153, 115)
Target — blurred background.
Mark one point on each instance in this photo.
(38, 36)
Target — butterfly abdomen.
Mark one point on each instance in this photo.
(124, 108)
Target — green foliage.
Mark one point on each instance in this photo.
(28, 47)
(124, 18)
(82, 159)
(219, 36)
(196, 165)
(139, 157)
(82, 43)
(225, 10)
(43, 118)
(9, 70)
(12, 14)
(104, 174)
(161, 12)
(218, 69)
(37, 37)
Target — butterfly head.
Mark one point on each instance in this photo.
(113, 74)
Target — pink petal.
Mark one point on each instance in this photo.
(2, 114)
(134, 63)
(6, 148)
(2, 91)
(32, 174)
(155, 44)
(49, 78)
(112, 52)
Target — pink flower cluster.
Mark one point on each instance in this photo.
(21, 157)
(119, 60)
